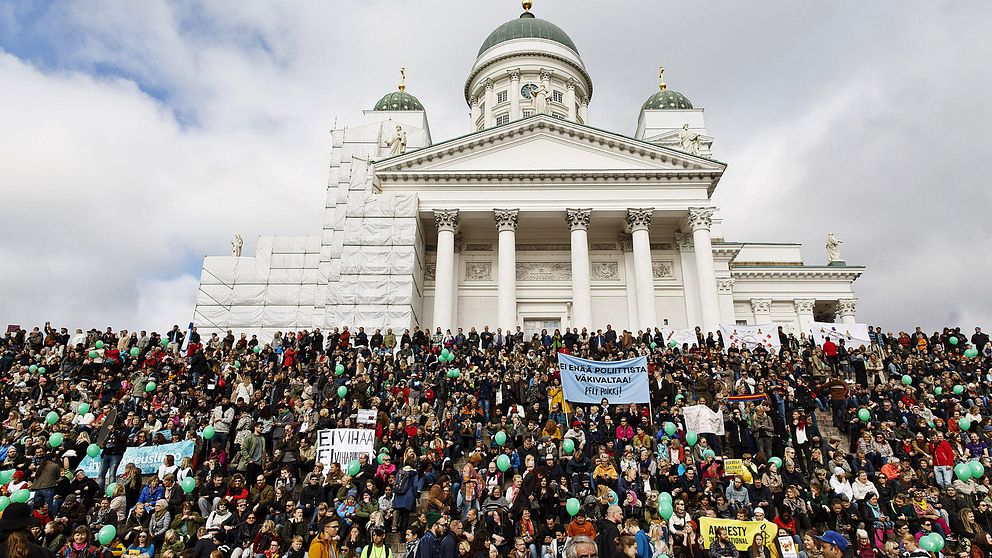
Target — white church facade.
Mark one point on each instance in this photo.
(534, 218)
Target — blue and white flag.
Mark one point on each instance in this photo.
(590, 381)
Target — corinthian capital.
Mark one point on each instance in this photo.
(847, 306)
(761, 305)
(446, 219)
(506, 219)
(578, 219)
(700, 218)
(489, 84)
(725, 285)
(804, 305)
(639, 219)
(514, 74)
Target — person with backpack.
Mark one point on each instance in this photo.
(377, 548)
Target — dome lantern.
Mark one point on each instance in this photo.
(665, 98)
(399, 99)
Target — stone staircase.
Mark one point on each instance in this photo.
(395, 540)
(828, 429)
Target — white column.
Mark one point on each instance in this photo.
(846, 308)
(474, 113)
(804, 313)
(444, 273)
(506, 277)
(725, 290)
(584, 111)
(687, 260)
(639, 221)
(578, 222)
(627, 251)
(700, 219)
(762, 308)
(490, 101)
(569, 99)
(514, 94)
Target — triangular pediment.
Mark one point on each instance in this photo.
(546, 145)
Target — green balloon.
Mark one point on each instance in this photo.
(342, 391)
(953, 340)
(928, 544)
(165, 343)
(665, 510)
(339, 369)
(977, 469)
(257, 349)
(52, 417)
(99, 344)
(962, 471)
(188, 484)
(6, 476)
(938, 390)
(150, 387)
(93, 450)
(864, 415)
(454, 373)
(572, 506)
(971, 353)
(83, 408)
(354, 467)
(673, 343)
(665, 497)
(4, 502)
(135, 351)
(654, 345)
(777, 461)
(21, 495)
(94, 354)
(503, 463)
(33, 368)
(906, 379)
(111, 488)
(237, 364)
(670, 428)
(107, 534)
(937, 540)
(500, 438)
(208, 432)
(958, 389)
(41, 369)
(691, 438)
(445, 353)
(56, 439)
(964, 424)
(568, 445)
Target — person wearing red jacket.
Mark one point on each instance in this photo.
(943, 460)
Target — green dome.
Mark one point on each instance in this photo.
(527, 27)
(398, 100)
(667, 99)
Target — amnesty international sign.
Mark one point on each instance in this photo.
(741, 532)
(589, 381)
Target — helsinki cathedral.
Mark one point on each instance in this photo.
(534, 218)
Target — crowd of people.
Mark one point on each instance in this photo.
(479, 455)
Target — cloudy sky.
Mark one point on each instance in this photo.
(139, 136)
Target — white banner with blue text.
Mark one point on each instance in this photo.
(591, 381)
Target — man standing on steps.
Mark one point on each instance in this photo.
(838, 390)
(609, 530)
(430, 543)
(377, 548)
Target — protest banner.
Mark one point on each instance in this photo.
(733, 467)
(90, 467)
(680, 336)
(366, 416)
(703, 420)
(854, 335)
(741, 532)
(590, 381)
(146, 458)
(751, 336)
(342, 445)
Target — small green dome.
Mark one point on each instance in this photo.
(527, 27)
(398, 100)
(667, 99)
